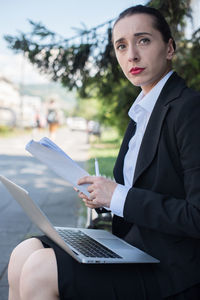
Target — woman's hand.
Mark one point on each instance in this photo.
(101, 190)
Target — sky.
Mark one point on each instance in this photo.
(59, 16)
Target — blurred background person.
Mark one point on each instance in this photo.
(52, 118)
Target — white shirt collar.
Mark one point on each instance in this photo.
(148, 101)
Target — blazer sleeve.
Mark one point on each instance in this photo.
(165, 213)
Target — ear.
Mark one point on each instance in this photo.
(170, 49)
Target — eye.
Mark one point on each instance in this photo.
(121, 47)
(143, 41)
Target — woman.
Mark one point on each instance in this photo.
(52, 118)
(156, 197)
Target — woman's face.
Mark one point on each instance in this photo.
(140, 50)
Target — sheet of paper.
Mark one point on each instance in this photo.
(54, 157)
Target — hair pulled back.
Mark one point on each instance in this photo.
(159, 21)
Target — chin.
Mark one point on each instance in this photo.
(136, 82)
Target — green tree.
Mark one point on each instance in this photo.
(87, 62)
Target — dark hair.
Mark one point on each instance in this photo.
(159, 21)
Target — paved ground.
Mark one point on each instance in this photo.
(56, 198)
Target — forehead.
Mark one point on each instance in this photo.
(133, 24)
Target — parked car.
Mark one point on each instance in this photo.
(77, 123)
(94, 128)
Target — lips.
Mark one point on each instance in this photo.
(136, 70)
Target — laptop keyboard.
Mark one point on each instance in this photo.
(85, 244)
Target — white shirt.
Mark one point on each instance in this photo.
(140, 112)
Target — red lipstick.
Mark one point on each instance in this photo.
(136, 70)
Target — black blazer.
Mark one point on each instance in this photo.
(162, 209)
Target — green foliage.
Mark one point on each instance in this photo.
(175, 13)
(87, 61)
(87, 108)
(105, 151)
(5, 130)
(187, 61)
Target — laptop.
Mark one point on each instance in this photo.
(90, 246)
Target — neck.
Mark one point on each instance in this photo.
(147, 89)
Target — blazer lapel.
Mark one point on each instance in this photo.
(150, 140)
(171, 91)
(118, 168)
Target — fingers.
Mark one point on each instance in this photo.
(91, 188)
(90, 203)
(87, 179)
(92, 180)
(84, 180)
(89, 199)
(100, 191)
(83, 196)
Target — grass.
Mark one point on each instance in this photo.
(7, 132)
(105, 150)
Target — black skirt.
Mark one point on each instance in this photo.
(102, 281)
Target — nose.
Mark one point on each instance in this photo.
(133, 54)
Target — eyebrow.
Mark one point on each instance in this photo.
(136, 34)
(142, 33)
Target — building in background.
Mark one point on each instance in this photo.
(17, 110)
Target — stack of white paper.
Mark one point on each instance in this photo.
(54, 157)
